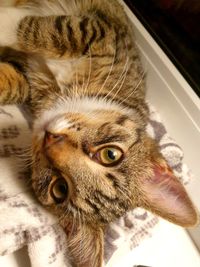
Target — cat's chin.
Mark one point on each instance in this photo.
(82, 105)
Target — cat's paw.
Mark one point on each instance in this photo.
(6, 80)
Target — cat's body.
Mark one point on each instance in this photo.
(81, 77)
(70, 41)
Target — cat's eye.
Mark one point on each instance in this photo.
(109, 156)
(59, 190)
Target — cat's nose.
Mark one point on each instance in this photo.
(51, 139)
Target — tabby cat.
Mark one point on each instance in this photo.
(75, 66)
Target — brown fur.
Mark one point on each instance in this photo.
(98, 37)
(13, 84)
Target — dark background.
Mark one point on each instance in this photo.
(175, 25)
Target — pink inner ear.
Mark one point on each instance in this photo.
(167, 197)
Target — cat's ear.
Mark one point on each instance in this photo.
(85, 245)
(165, 195)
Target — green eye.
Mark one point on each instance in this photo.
(110, 155)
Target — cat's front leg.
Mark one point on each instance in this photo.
(14, 87)
(10, 18)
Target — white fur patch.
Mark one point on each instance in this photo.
(54, 117)
(10, 18)
(58, 124)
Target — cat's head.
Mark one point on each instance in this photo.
(93, 161)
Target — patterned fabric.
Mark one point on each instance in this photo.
(23, 221)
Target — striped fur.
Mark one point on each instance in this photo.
(81, 77)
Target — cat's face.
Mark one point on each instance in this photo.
(93, 166)
(85, 164)
(96, 164)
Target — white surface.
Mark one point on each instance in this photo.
(170, 245)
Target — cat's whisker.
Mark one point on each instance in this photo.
(80, 248)
(122, 73)
(64, 215)
(109, 74)
(77, 84)
(24, 158)
(68, 91)
(136, 87)
(73, 223)
(119, 79)
(83, 83)
(122, 83)
(61, 97)
(76, 81)
(89, 73)
(25, 163)
(24, 154)
(73, 90)
(123, 192)
(122, 80)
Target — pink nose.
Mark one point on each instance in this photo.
(51, 139)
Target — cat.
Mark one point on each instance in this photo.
(75, 66)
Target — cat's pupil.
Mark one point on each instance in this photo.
(111, 154)
(62, 188)
(59, 190)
